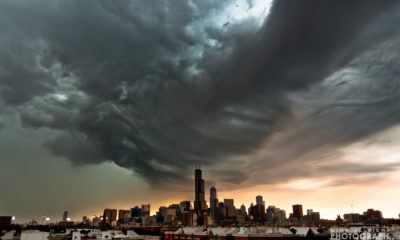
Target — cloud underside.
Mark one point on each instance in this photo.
(161, 88)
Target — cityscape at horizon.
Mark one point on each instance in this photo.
(44, 219)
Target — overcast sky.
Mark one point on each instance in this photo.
(113, 103)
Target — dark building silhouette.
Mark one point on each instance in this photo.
(312, 218)
(185, 206)
(272, 214)
(220, 213)
(242, 210)
(145, 210)
(65, 216)
(259, 213)
(297, 210)
(352, 217)
(109, 215)
(251, 210)
(5, 220)
(123, 216)
(161, 214)
(199, 202)
(136, 212)
(259, 200)
(372, 216)
(230, 210)
(213, 203)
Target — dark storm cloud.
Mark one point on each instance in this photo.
(154, 89)
(355, 102)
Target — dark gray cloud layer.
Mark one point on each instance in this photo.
(157, 88)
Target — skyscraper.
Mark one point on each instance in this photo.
(281, 216)
(297, 210)
(259, 213)
(65, 216)
(123, 215)
(213, 202)
(109, 215)
(136, 212)
(259, 200)
(271, 214)
(309, 212)
(228, 202)
(230, 210)
(199, 202)
(145, 210)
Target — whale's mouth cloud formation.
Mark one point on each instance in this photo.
(159, 87)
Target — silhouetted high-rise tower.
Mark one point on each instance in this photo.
(213, 202)
(65, 216)
(297, 211)
(199, 202)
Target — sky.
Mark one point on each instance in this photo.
(112, 104)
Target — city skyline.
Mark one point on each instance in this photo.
(115, 213)
(104, 104)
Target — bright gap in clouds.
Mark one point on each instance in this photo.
(382, 148)
(244, 9)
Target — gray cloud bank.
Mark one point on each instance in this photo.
(159, 87)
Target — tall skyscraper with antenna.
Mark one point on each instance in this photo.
(199, 202)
